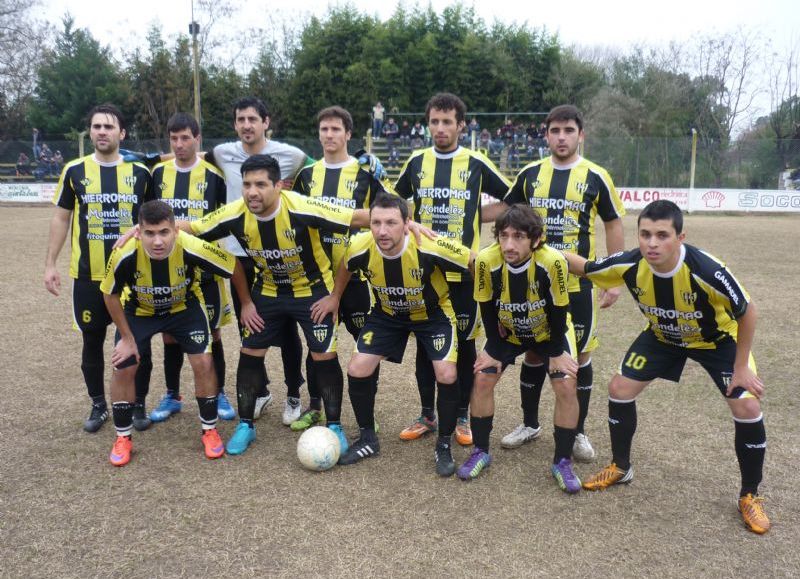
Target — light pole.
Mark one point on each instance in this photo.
(194, 30)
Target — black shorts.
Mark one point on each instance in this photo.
(89, 311)
(215, 298)
(355, 305)
(648, 359)
(583, 307)
(506, 352)
(278, 311)
(384, 335)
(189, 328)
(468, 319)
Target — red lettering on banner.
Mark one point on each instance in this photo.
(634, 195)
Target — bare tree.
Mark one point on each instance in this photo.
(784, 95)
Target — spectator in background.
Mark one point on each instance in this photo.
(377, 120)
(496, 146)
(417, 136)
(532, 131)
(46, 161)
(36, 149)
(23, 165)
(405, 134)
(485, 140)
(474, 127)
(507, 132)
(58, 162)
(391, 131)
(394, 157)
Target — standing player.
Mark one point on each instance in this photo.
(338, 179)
(569, 192)
(160, 273)
(695, 309)
(99, 196)
(411, 295)
(521, 285)
(193, 188)
(445, 182)
(251, 122)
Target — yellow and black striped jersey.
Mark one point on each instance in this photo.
(410, 285)
(286, 246)
(163, 286)
(344, 184)
(523, 294)
(104, 199)
(191, 192)
(694, 306)
(569, 199)
(446, 189)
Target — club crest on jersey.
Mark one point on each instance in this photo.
(129, 180)
(638, 291)
(312, 184)
(464, 175)
(350, 185)
(86, 181)
(438, 343)
(181, 270)
(320, 334)
(202, 186)
(197, 337)
(137, 274)
(462, 325)
(416, 273)
(534, 286)
(163, 186)
(289, 234)
(421, 175)
(578, 335)
(689, 297)
(581, 187)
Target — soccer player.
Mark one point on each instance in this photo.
(411, 295)
(193, 188)
(99, 196)
(251, 121)
(160, 273)
(695, 308)
(281, 232)
(338, 179)
(445, 182)
(521, 285)
(569, 192)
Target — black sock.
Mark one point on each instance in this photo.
(531, 380)
(93, 364)
(466, 375)
(564, 439)
(481, 429)
(622, 424)
(585, 379)
(218, 354)
(123, 417)
(751, 447)
(313, 388)
(208, 412)
(249, 382)
(330, 381)
(173, 363)
(426, 380)
(447, 406)
(292, 358)
(143, 373)
(362, 398)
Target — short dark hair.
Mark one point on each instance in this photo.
(336, 112)
(181, 121)
(106, 109)
(154, 212)
(663, 209)
(521, 217)
(248, 102)
(385, 200)
(564, 113)
(445, 101)
(263, 163)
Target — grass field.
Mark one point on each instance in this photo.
(66, 512)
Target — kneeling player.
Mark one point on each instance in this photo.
(521, 285)
(695, 309)
(411, 295)
(161, 270)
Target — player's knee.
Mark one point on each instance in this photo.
(360, 367)
(745, 408)
(483, 385)
(445, 373)
(621, 388)
(564, 388)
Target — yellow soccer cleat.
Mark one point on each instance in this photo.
(752, 509)
(610, 475)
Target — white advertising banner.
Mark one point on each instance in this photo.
(714, 199)
(27, 192)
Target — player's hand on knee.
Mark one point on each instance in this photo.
(609, 297)
(123, 350)
(52, 280)
(564, 364)
(324, 306)
(747, 379)
(250, 318)
(484, 362)
(123, 239)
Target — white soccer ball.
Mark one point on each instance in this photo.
(318, 448)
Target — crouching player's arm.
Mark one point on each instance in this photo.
(118, 273)
(330, 303)
(560, 361)
(743, 375)
(249, 315)
(491, 325)
(125, 348)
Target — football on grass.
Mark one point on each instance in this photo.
(318, 448)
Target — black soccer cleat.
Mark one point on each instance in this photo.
(97, 417)
(140, 419)
(361, 449)
(445, 465)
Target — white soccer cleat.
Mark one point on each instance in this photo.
(291, 410)
(582, 449)
(261, 403)
(519, 436)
